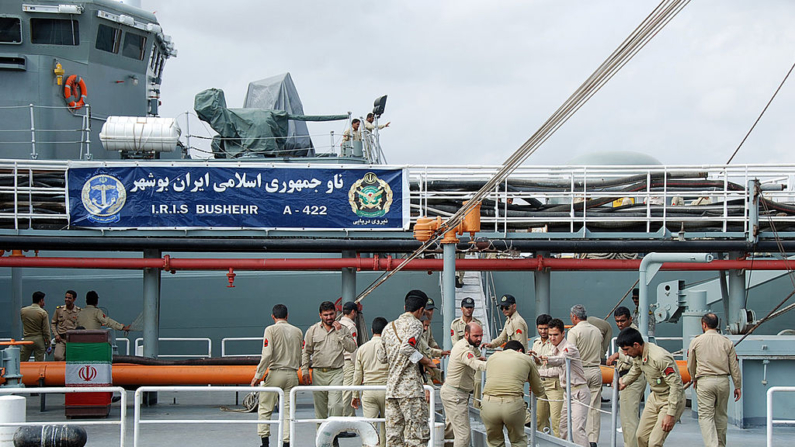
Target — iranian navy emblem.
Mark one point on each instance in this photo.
(370, 196)
(103, 196)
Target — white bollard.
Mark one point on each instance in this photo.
(12, 409)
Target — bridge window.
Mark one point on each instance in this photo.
(108, 39)
(55, 31)
(134, 46)
(10, 30)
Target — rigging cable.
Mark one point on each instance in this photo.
(651, 25)
(760, 115)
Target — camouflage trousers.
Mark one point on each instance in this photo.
(407, 422)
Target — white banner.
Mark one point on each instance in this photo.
(88, 374)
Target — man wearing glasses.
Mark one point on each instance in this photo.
(515, 327)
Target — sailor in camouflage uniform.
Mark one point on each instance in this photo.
(406, 407)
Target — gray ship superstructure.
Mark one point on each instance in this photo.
(164, 236)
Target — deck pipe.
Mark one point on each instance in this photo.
(737, 295)
(377, 263)
(649, 267)
(448, 291)
(82, 242)
(151, 332)
(542, 287)
(128, 374)
(16, 302)
(348, 291)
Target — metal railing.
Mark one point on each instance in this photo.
(613, 348)
(545, 200)
(137, 421)
(139, 342)
(770, 421)
(223, 345)
(312, 389)
(122, 422)
(126, 344)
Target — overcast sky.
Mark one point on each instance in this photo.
(469, 81)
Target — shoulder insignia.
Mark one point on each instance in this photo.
(451, 332)
(518, 331)
(353, 334)
(566, 350)
(265, 343)
(103, 316)
(413, 341)
(470, 355)
(669, 370)
(58, 307)
(645, 359)
(303, 344)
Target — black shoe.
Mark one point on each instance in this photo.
(593, 444)
(459, 283)
(346, 434)
(285, 444)
(115, 398)
(265, 442)
(529, 425)
(336, 442)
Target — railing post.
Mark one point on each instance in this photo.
(614, 408)
(33, 154)
(568, 400)
(88, 132)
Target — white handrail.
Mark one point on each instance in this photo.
(770, 420)
(137, 421)
(139, 342)
(223, 345)
(313, 388)
(122, 422)
(127, 344)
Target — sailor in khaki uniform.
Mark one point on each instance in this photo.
(588, 339)
(427, 333)
(548, 411)
(607, 333)
(629, 398)
(368, 370)
(457, 333)
(93, 318)
(406, 406)
(281, 358)
(35, 328)
(711, 359)
(64, 319)
(503, 395)
(580, 394)
(666, 402)
(459, 324)
(349, 310)
(464, 360)
(515, 327)
(324, 345)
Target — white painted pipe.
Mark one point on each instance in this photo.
(12, 409)
(336, 425)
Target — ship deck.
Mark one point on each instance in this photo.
(207, 406)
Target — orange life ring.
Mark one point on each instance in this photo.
(78, 86)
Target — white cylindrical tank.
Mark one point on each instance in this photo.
(132, 133)
(12, 409)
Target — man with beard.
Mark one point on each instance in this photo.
(464, 360)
